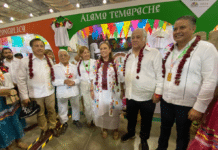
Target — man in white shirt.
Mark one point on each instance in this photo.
(34, 84)
(11, 62)
(190, 71)
(67, 81)
(143, 82)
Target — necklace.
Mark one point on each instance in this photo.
(87, 67)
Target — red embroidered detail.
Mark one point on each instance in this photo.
(98, 66)
(115, 70)
(182, 62)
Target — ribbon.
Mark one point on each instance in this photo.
(156, 24)
(126, 28)
(119, 26)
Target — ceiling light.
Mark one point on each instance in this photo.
(30, 0)
(77, 5)
(51, 10)
(104, 1)
(31, 15)
(12, 19)
(1, 21)
(6, 5)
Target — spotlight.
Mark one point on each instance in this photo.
(104, 1)
(6, 5)
(77, 5)
(51, 10)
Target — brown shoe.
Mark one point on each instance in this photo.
(22, 145)
(116, 135)
(55, 132)
(104, 134)
(42, 136)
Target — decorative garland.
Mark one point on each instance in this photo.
(115, 70)
(61, 24)
(124, 66)
(4, 69)
(78, 67)
(31, 67)
(138, 65)
(182, 62)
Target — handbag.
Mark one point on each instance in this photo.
(13, 98)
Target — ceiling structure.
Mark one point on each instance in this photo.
(21, 9)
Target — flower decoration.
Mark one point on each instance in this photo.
(138, 65)
(69, 75)
(31, 67)
(4, 69)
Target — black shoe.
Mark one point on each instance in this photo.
(32, 109)
(64, 128)
(77, 123)
(126, 137)
(144, 145)
(42, 135)
(92, 123)
(55, 132)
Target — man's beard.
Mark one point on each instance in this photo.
(9, 57)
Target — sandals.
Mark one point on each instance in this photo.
(116, 135)
(22, 145)
(104, 134)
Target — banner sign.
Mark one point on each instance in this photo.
(198, 7)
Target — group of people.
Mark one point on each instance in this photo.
(183, 82)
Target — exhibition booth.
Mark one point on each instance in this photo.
(110, 22)
(115, 23)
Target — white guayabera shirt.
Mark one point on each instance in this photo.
(40, 85)
(198, 78)
(150, 77)
(13, 66)
(64, 91)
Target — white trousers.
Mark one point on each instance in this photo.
(63, 108)
(88, 102)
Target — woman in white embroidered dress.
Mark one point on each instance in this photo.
(84, 68)
(106, 91)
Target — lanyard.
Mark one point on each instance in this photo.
(67, 70)
(88, 68)
(67, 74)
(181, 55)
